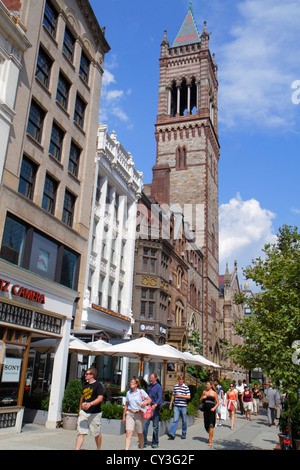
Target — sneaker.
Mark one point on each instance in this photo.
(170, 436)
(154, 446)
(183, 437)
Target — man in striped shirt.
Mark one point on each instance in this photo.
(181, 393)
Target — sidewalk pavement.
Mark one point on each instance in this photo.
(247, 435)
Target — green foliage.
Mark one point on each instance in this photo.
(270, 333)
(112, 411)
(45, 403)
(194, 341)
(165, 413)
(72, 395)
(225, 383)
(192, 409)
(195, 400)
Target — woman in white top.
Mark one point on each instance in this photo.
(136, 400)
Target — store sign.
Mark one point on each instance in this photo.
(11, 370)
(144, 327)
(6, 286)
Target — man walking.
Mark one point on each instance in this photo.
(181, 393)
(154, 391)
(274, 401)
(89, 420)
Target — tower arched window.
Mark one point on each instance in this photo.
(179, 311)
(181, 158)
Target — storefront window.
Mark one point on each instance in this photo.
(13, 241)
(11, 374)
(42, 255)
(69, 269)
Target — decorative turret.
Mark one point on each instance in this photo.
(204, 38)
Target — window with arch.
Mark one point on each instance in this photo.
(179, 310)
(179, 277)
(181, 158)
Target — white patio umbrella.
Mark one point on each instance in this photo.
(143, 349)
(79, 347)
(48, 345)
(98, 347)
(201, 360)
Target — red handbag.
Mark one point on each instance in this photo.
(148, 413)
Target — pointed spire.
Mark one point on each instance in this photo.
(188, 33)
(164, 45)
(165, 39)
(204, 37)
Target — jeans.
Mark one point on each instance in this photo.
(155, 422)
(179, 411)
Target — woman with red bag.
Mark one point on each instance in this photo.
(232, 403)
(137, 401)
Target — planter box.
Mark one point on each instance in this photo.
(116, 426)
(164, 426)
(112, 426)
(296, 444)
(69, 421)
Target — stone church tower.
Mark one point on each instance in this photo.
(186, 171)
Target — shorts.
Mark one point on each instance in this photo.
(89, 423)
(248, 406)
(134, 422)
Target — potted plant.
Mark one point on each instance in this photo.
(70, 404)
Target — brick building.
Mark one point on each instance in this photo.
(185, 176)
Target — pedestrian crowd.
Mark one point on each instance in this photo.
(142, 407)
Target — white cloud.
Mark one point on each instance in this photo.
(120, 114)
(258, 66)
(113, 95)
(108, 78)
(245, 227)
(112, 99)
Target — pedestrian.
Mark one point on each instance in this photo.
(247, 400)
(274, 401)
(211, 403)
(136, 400)
(256, 394)
(181, 393)
(89, 419)
(154, 391)
(232, 403)
(220, 393)
(240, 389)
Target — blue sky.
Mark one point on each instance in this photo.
(257, 49)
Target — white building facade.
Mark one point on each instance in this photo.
(13, 44)
(107, 305)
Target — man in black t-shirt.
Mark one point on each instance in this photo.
(89, 420)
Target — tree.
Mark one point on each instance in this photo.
(196, 344)
(273, 332)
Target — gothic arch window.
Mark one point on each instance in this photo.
(179, 310)
(193, 97)
(181, 158)
(179, 277)
(173, 99)
(183, 97)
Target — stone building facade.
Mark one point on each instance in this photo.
(107, 305)
(229, 314)
(185, 176)
(47, 183)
